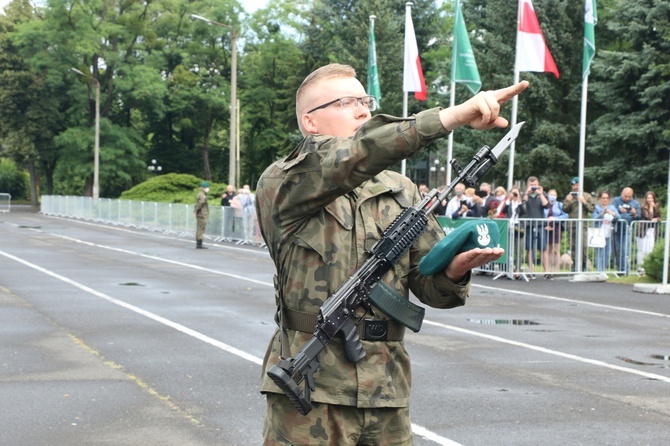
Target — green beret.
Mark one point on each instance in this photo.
(204, 184)
(482, 233)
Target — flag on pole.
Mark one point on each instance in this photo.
(373, 73)
(413, 74)
(590, 20)
(464, 67)
(531, 48)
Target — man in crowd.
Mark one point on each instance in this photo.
(629, 211)
(535, 201)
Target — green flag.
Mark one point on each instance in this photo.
(590, 20)
(464, 68)
(373, 74)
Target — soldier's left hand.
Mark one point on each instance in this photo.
(465, 261)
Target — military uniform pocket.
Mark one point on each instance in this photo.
(329, 232)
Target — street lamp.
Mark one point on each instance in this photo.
(153, 167)
(232, 158)
(96, 150)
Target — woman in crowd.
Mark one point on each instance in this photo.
(607, 214)
(645, 235)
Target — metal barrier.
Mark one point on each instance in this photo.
(5, 202)
(562, 247)
(533, 247)
(224, 223)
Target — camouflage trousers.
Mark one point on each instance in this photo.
(328, 425)
(202, 224)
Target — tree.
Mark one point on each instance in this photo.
(30, 104)
(630, 86)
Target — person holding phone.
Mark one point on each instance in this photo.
(535, 201)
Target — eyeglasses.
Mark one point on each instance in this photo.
(369, 102)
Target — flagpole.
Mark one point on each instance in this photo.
(403, 164)
(515, 101)
(450, 139)
(452, 94)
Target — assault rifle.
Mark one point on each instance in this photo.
(337, 312)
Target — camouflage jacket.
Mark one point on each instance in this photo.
(201, 207)
(571, 207)
(320, 210)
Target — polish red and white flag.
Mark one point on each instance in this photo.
(413, 74)
(532, 53)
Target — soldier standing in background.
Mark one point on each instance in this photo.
(320, 209)
(571, 204)
(201, 212)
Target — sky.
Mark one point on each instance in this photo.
(249, 5)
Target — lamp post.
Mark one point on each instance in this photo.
(232, 158)
(96, 150)
(153, 167)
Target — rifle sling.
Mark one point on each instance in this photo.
(368, 330)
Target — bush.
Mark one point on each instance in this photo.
(653, 263)
(172, 188)
(13, 181)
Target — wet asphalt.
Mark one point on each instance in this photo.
(125, 337)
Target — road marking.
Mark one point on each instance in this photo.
(418, 430)
(551, 352)
(163, 259)
(575, 301)
(148, 314)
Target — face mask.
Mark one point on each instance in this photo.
(552, 198)
(206, 189)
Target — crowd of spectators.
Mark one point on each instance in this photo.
(544, 224)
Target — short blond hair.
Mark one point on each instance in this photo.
(316, 76)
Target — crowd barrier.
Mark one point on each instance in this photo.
(544, 247)
(5, 202)
(224, 223)
(533, 247)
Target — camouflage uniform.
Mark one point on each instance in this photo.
(201, 210)
(320, 210)
(572, 209)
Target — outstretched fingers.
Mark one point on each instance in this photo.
(474, 258)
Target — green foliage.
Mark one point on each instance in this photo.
(165, 83)
(172, 188)
(12, 181)
(653, 263)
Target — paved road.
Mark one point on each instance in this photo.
(123, 337)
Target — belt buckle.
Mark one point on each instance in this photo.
(376, 330)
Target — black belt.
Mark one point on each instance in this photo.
(367, 329)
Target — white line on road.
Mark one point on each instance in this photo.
(418, 430)
(148, 314)
(551, 352)
(572, 301)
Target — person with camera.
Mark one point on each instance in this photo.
(455, 204)
(608, 215)
(467, 205)
(571, 204)
(630, 211)
(535, 201)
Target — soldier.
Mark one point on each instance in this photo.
(319, 210)
(201, 212)
(571, 204)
